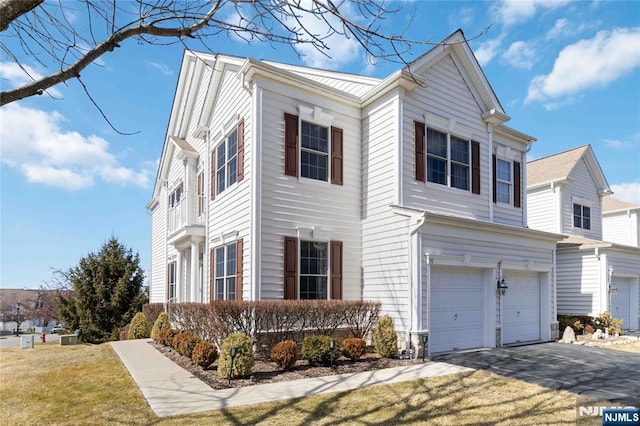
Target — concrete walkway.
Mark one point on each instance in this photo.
(171, 390)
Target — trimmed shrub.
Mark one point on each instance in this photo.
(354, 348)
(161, 322)
(185, 343)
(204, 354)
(317, 350)
(605, 320)
(124, 333)
(385, 339)
(139, 328)
(243, 361)
(166, 335)
(285, 354)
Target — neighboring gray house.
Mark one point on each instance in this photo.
(566, 194)
(285, 182)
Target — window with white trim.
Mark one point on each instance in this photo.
(171, 281)
(314, 151)
(175, 196)
(314, 269)
(504, 181)
(200, 192)
(225, 272)
(448, 160)
(581, 216)
(226, 162)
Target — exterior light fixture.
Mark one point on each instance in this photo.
(613, 289)
(233, 351)
(425, 339)
(502, 287)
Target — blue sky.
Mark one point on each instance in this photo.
(567, 73)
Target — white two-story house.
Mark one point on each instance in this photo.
(285, 182)
(567, 193)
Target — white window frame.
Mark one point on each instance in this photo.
(448, 160)
(226, 276)
(200, 197)
(582, 206)
(508, 183)
(227, 163)
(327, 273)
(302, 149)
(176, 195)
(172, 267)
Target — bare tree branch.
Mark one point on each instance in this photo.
(10, 10)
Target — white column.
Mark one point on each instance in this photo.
(179, 277)
(195, 255)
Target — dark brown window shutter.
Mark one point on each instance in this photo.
(419, 151)
(240, 157)
(517, 188)
(290, 268)
(290, 144)
(336, 156)
(239, 259)
(212, 274)
(495, 180)
(336, 269)
(212, 165)
(475, 167)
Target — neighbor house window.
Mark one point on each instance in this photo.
(225, 272)
(504, 181)
(200, 191)
(226, 162)
(581, 216)
(448, 160)
(314, 268)
(314, 151)
(171, 281)
(175, 196)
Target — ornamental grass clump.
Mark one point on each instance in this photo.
(204, 354)
(161, 322)
(244, 360)
(317, 350)
(385, 339)
(354, 348)
(139, 328)
(285, 354)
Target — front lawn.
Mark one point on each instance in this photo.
(87, 384)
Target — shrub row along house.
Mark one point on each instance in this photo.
(285, 182)
(568, 193)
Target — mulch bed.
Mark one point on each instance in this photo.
(265, 371)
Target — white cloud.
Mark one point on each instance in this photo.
(629, 192)
(513, 12)
(588, 63)
(564, 28)
(487, 50)
(161, 67)
(19, 76)
(618, 144)
(560, 28)
(34, 143)
(521, 54)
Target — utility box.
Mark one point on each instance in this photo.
(26, 342)
(68, 339)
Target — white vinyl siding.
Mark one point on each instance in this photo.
(578, 283)
(291, 205)
(157, 275)
(541, 209)
(622, 228)
(580, 189)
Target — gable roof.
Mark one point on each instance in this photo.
(613, 205)
(558, 167)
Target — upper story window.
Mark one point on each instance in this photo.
(225, 272)
(200, 192)
(581, 216)
(176, 195)
(448, 160)
(316, 154)
(227, 161)
(504, 181)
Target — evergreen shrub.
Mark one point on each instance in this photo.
(244, 359)
(285, 354)
(385, 339)
(139, 328)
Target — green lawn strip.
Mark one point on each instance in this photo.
(629, 347)
(87, 384)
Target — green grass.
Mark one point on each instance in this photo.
(85, 384)
(629, 347)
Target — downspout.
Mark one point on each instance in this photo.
(523, 191)
(413, 281)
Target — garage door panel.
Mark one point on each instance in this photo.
(521, 309)
(621, 302)
(457, 310)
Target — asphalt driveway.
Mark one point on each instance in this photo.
(600, 373)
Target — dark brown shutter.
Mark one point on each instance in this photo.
(419, 151)
(336, 269)
(290, 268)
(212, 275)
(336, 156)
(475, 167)
(239, 259)
(290, 144)
(517, 188)
(240, 157)
(212, 165)
(495, 180)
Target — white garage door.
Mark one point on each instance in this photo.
(621, 302)
(457, 310)
(521, 308)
